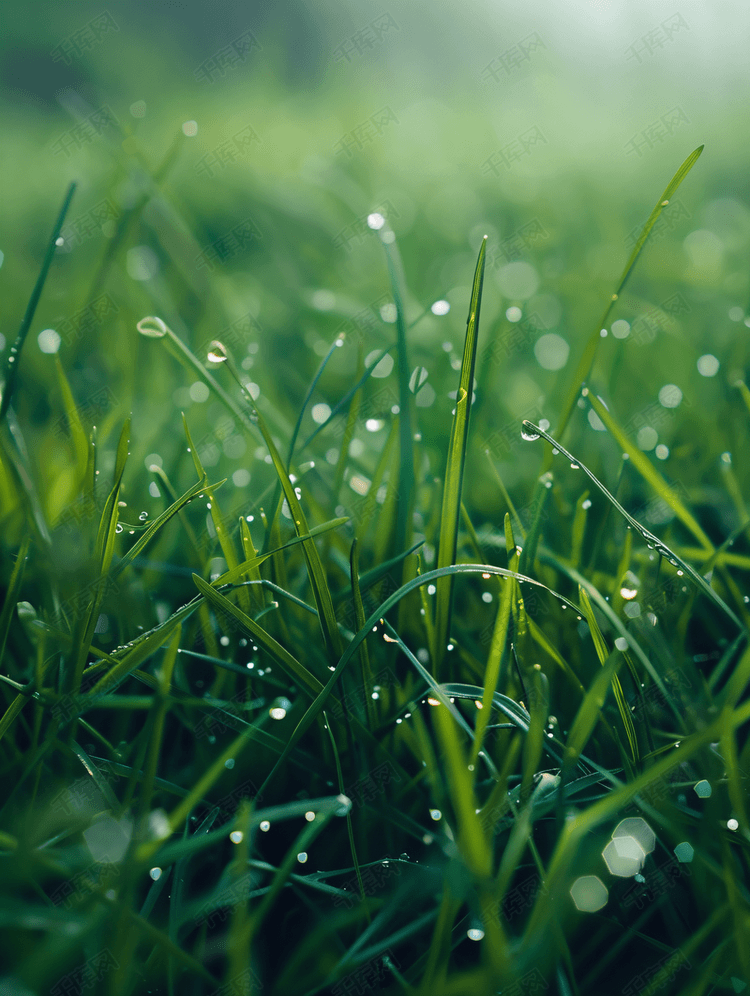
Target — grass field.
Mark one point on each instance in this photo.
(374, 570)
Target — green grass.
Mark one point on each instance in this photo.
(335, 764)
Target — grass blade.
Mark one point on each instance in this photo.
(451, 507)
(661, 548)
(587, 359)
(14, 357)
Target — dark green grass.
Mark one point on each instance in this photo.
(273, 738)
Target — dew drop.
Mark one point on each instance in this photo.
(217, 352)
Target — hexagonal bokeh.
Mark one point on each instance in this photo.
(624, 856)
(684, 852)
(702, 789)
(636, 827)
(589, 893)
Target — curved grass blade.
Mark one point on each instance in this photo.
(14, 357)
(451, 507)
(589, 353)
(312, 713)
(661, 548)
(156, 525)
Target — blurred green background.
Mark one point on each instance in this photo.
(552, 131)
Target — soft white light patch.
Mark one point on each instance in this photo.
(708, 365)
(518, 280)
(551, 351)
(49, 341)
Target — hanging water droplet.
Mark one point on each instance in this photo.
(265, 826)
(217, 352)
(118, 528)
(528, 433)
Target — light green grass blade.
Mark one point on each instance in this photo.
(587, 359)
(602, 652)
(77, 432)
(647, 470)
(14, 356)
(661, 548)
(454, 473)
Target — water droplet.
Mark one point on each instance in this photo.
(143, 516)
(575, 466)
(155, 874)
(217, 352)
(586, 503)
(528, 433)
(475, 934)
(302, 857)
(435, 814)
(236, 836)
(118, 528)
(152, 327)
(265, 826)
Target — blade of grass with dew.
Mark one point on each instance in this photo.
(587, 359)
(379, 613)
(155, 328)
(248, 549)
(11, 593)
(132, 655)
(155, 526)
(359, 616)
(405, 491)
(282, 656)
(225, 540)
(104, 549)
(316, 572)
(14, 356)
(492, 670)
(454, 472)
(602, 652)
(471, 841)
(661, 548)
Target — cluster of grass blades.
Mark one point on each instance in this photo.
(308, 778)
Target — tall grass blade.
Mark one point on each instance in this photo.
(451, 507)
